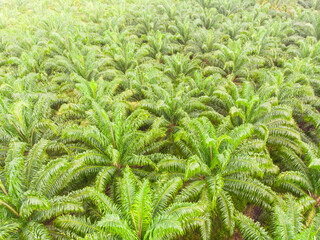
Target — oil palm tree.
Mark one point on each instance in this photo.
(287, 222)
(147, 22)
(81, 61)
(231, 61)
(178, 66)
(261, 109)
(100, 91)
(27, 120)
(31, 61)
(158, 45)
(172, 104)
(300, 176)
(309, 26)
(205, 45)
(23, 88)
(223, 165)
(297, 90)
(110, 143)
(209, 18)
(27, 201)
(103, 92)
(140, 211)
(127, 56)
(182, 31)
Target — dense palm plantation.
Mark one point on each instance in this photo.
(152, 119)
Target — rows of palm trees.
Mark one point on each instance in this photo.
(136, 119)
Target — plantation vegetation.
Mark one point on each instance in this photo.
(159, 119)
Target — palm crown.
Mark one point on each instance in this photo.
(139, 211)
(110, 145)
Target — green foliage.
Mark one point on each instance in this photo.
(194, 119)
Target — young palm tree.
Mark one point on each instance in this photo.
(230, 61)
(235, 30)
(147, 23)
(206, 44)
(139, 211)
(204, 86)
(27, 121)
(227, 7)
(30, 62)
(124, 57)
(28, 200)
(265, 47)
(206, 4)
(297, 90)
(308, 48)
(262, 109)
(310, 26)
(209, 18)
(102, 92)
(220, 166)
(172, 105)
(81, 61)
(182, 31)
(138, 79)
(109, 144)
(158, 45)
(169, 9)
(178, 66)
(22, 88)
(286, 223)
(300, 177)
